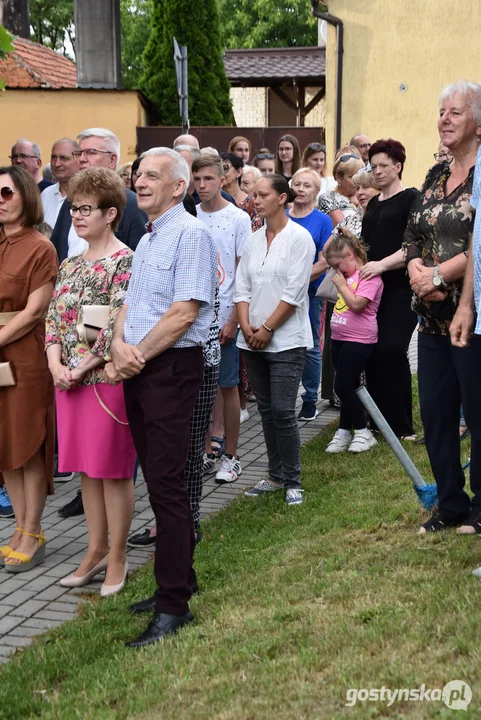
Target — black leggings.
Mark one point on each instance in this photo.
(350, 359)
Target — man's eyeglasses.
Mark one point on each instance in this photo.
(442, 156)
(84, 210)
(318, 147)
(364, 146)
(90, 152)
(22, 156)
(7, 193)
(345, 158)
(265, 156)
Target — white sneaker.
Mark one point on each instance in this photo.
(339, 443)
(244, 415)
(362, 441)
(294, 496)
(208, 464)
(230, 469)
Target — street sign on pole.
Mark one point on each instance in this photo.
(180, 60)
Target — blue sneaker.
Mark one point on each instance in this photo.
(6, 509)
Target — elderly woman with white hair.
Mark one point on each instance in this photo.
(436, 244)
(249, 178)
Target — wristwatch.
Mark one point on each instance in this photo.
(438, 280)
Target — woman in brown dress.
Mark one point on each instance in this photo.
(28, 267)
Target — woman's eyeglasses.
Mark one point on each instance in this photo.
(84, 210)
(265, 156)
(318, 147)
(7, 193)
(442, 156)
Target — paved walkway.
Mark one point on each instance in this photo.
(32, 602)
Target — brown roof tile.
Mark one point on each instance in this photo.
(35, 66)
(275, 63)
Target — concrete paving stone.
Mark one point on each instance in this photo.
(53, 560)
(10, 583)
(41, 624)
(30, 608)
(62, 570)
(72, 548)
(5, 609)
(18, 597)
(6, 651)
(146, 515)
(16, 642)
(23, 631)
(51, 593)
(8, 622)
(76, 532)
(54, 616)
(60, 607)
(41, 583)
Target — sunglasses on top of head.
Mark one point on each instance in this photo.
(318, 147)
(351, 156)
(265, 156)
(7, 193)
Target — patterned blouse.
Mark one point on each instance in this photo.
(330, 201)
(86, 282)
(248, 206)
(439, 228)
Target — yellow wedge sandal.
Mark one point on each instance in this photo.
(6, 550)
(27, 562)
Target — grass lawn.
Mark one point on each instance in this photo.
(298, 605)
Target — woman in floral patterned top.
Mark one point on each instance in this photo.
(93, 434)
(436, 243)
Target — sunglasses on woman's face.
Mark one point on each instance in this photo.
(7, 193)
(265, 156)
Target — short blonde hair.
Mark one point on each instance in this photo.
(364, 179)
(342, 167)
(313, 175)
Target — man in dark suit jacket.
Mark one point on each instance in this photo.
(101, 148)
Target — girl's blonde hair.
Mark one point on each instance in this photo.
(343, 239)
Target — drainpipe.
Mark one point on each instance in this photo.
(338, 24)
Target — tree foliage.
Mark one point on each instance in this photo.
(196, 25)
(135, 27)
(5, 47)
(267, 23)
(52, 24)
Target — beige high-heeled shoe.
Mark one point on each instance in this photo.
(107, 590)
(74, 581)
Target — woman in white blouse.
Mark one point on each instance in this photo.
(273, 310)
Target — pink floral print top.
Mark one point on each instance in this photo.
(86, 282)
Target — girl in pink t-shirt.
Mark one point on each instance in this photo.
(354, 336)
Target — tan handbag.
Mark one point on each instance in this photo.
(7, 373)
(91, 320)
(327, 290)
(104, 407)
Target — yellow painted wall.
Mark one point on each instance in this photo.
(424, 44)
(45, 115)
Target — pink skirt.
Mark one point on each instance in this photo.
(89, 439)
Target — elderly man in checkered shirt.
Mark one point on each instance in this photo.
(157, 351)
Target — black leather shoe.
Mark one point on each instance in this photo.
(73, 508)
(148, 605)
(159, 627)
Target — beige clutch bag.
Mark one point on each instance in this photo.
(91, 320)
(7, 375)
(327, 290)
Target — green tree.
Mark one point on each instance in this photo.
(267, 23)
(5, 47)
(52, 24)
(196, 25)
(135, 27)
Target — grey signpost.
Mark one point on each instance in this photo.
(180, 59)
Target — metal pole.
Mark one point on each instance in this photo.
(185, 91)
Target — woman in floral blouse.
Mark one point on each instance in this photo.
(436, 244)
(93, 435)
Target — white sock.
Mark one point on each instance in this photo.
(344, 433)
(365, 432)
